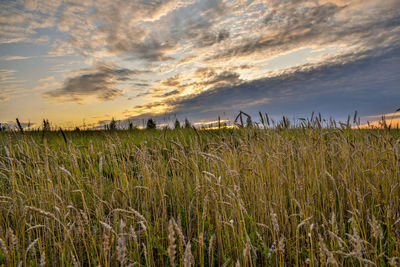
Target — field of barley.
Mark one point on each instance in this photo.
(305, 196)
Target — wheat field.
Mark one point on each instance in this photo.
(283, 196)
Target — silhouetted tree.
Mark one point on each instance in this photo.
(177, 124)
(151, 124)
(187, 124)
(113, 124)
(130, 127)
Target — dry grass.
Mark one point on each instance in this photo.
(248, 197)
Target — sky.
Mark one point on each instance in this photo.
(84, 62)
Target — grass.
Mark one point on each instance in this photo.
(245, 197)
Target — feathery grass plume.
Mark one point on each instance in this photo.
(376, 229)
(178, 230)
(19, 125)
(171, 239)
(30, 248)
(107, 226)
(132, 233)
(205, 209)
(334, 237)
(145, 254)
(108, 238)
(84, 217)
(326, 255)
(211, 248)
(247, 248)
(334, 225)
(13, 240)
(63, 135)
(141, 223)
(65, 171)
(274, 219)
(75, 263)
(355, 241)
(121, 245)
(42, 259)
(37, 226)
(281, 244)
(136, 213)
(44, 213)
(261, 118)
(7, 152)
(188, 259)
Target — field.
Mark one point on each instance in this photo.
(302, 196)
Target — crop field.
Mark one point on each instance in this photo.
(250, 196)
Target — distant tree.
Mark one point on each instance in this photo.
(113, 124)
(151, 124)
(187, 124)
(177, 124)
(4, 127)
(46, 125)
(130, 127)
(77, 129)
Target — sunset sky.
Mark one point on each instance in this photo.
(83, 61)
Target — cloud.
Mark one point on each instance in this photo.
(46, 79)
(201, 80)
(46, 85)
(150, 49)
(208, 76)
(99, 82)
(210, 39)
(137, 30)
(9, 84)
(11, 58)
(173, 81)
(367, 82)
(20, 21)
(114, 28)
(290, 25)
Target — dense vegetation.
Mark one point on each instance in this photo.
(249, 197)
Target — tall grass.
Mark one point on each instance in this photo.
(243, 197)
